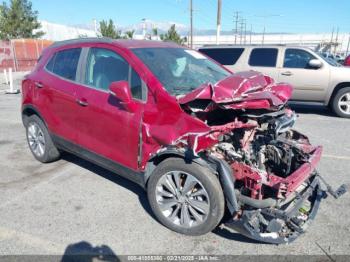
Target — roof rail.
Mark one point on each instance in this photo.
(241, 45)
(82, 40)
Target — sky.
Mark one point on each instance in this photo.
(298, 16)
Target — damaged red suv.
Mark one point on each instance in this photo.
(201, 140)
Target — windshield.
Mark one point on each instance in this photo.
(180, 70)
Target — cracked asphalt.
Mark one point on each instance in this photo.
(45, 208)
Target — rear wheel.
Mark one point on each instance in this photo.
(39, 140)
(186, 198)
(341, 102)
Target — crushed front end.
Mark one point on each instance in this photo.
(271, 185)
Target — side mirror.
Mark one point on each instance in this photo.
(315, 63)
(121, 91)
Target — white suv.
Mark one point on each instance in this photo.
(313, 77)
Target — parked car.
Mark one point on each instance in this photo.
(313, 77)
(337, 58)
(347, 61)
(199, 139)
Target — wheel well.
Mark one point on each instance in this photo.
(28, 112)
(156, 160)
(336, 89)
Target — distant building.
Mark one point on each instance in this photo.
(58, 32)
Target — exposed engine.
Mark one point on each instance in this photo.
(264, 154)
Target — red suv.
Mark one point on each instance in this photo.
(198, 138)
(347, 61)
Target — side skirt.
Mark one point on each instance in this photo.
(134, 176)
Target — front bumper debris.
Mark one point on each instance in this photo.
(283, 225)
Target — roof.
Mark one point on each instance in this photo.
(126, 43)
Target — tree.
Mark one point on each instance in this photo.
(108, 29)
(129, 34)
(18, 20)
(172, 35)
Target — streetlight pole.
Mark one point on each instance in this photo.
(218, 23)
(191, 23)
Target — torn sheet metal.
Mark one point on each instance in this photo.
(246, 90)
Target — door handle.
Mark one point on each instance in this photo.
(82, 102)
(39, 84)
(287, 73)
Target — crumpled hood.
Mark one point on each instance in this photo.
(244, 90)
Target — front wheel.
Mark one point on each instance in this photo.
(187, 198)
(341, 102)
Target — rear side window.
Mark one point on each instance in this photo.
(266, 57)
(64, 63)
(224, 56)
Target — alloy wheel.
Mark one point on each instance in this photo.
(344, 103)
(182, 199)
(36, 139)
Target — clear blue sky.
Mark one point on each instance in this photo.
(283, 16)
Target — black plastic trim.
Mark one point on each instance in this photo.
(63, 144)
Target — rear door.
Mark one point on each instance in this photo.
(309, 84)
(264, 60)
(104, 125)
(56, 90)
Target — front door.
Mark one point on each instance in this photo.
(104, 125)
(310, 84)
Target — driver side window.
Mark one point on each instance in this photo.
(297, 58)
(104, 66)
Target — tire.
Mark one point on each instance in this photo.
(205, 208)
(341, 103)
(39, 140)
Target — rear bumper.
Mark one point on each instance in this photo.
(283, 225)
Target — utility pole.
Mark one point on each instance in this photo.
(251, 31)
(263, 35)
(218, 22)
(191, 23)
(336, 41)
(236, 26)
(331, 44)
(245, 32)
(241, 26)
